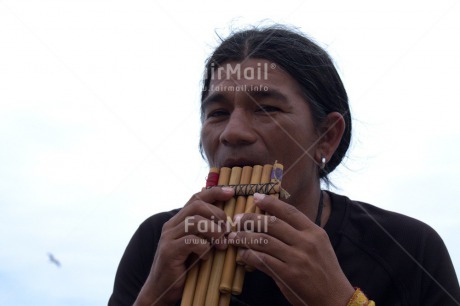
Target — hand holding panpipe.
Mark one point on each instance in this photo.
(211, 282)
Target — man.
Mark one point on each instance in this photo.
(272, 94)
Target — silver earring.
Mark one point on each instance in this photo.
(323, 163)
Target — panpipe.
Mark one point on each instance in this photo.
(211, 282)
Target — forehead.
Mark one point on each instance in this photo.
(250, 75)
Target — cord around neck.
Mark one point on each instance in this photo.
(320, 209)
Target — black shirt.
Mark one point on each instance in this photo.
(394, 259)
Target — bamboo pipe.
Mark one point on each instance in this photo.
(225, 299)
(266, 173)
(192, 274)
(265, 178)
(226, 281)
(212, 295)
(240, 271)
(205, 267)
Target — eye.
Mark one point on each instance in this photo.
(267, 109)
(217, 113)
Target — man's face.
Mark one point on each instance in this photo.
(256, 115)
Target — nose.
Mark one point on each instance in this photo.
(239, 129)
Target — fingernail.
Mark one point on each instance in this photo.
(228, 190)
(237, 218)
(232, 235)
(221, 244)
(258, 197)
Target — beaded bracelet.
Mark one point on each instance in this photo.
(359, 299)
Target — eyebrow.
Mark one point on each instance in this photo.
(219, 97)
(211, 99)
(270, 93)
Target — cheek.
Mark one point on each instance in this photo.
(208, 142)
(292, 140)
(295, 147)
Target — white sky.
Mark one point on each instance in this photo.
(99, 122)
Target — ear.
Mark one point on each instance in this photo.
(331, 133)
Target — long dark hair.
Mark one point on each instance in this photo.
(301, 58)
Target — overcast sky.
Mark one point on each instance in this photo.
(99, 122)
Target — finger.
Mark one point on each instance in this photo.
(198, 207)
(286, 212)
(266, 263)
(214, 232)
(212, 195)
(180, 249)
(271, 225)
(197, 245)
(260, 242)
(198, 225)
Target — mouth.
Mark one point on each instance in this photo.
(240, 162)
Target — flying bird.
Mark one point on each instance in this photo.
(54, 260)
